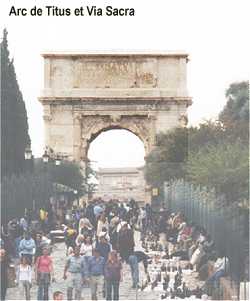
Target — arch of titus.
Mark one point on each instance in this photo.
(87, 93)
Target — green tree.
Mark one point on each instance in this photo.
(67, 173)
(14, 125)
(167, 160)
(237, 106)
(217, 151)
(224, 167)
(206, 133)
(235, 115)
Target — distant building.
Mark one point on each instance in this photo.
(122, 184)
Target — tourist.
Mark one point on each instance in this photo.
(27, 247)
(113, 276)
(113, 231)
(24, 276)
(79, 240)
(177, 220)
(85, 227)
(23, 224)
(90, 214)
(103, 246)
(86, 248)
(134, 266)
(102, 225)
(134, 259)
(39, 245)
(74, 274)
(96, 274)
(142, 220)
(70, 235)
(125, 241)
(4, 273)
(197, 255)
(122, 212)
(58, 295)
(44, 273)
(43, 214)
(162, 230)
(221, 267)
(13, 228)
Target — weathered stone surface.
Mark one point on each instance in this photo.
(123, 184)
(85, 94)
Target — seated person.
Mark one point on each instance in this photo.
(197, 255)
(221, 267)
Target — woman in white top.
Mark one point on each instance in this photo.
(102, 223)
(86, 248)
(24, 276)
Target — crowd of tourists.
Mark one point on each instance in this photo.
(99, 240)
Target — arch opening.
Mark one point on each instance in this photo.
(117, 155)
(116, 147)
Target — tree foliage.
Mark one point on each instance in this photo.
(217, 150)
(237, 107)
(67, 173)
(224, 167)
(14, 125)
(167, 160)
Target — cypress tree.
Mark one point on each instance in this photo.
(14, 123)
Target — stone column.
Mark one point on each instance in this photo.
(77, 137)
(84, 155)
(47, 117)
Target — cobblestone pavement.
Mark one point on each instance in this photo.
(59, 257)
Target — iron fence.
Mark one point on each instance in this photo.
(227, 224)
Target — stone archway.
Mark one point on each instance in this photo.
(92, 126)
(85, 94)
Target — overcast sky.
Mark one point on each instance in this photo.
(214, 33)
